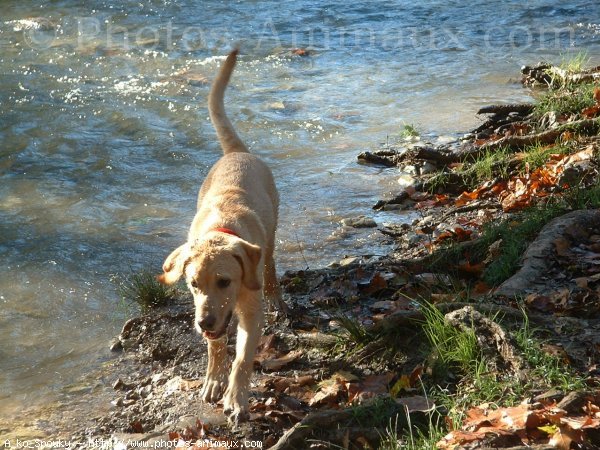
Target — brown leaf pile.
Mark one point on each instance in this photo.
(525, 424)
(526, 189)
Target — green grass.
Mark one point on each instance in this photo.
(569, 65)
(144, 289)
(414, 439)
(536, 156)
(565, 101)
(516, 233)
(476, 384)
(409, 131)
(457, 356)
(378, 413)
(547, 370)
(353, 332)
(492, 164)
(453, 349)
(575, 63)
(438, 182)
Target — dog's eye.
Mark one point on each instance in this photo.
(222, 283)
(194, 284)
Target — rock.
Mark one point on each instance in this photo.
(359, 222)
(145, 391)
(120, 385)
(427, 168)
(406, 180)
(413, 238)
(411, 169)
(550, 396)
(300, 52)
(132, 395)
(158, 378)
(276, 105)
(383, 305)
(116, 345)
(349, 260)
(574, 402)
(424, 221)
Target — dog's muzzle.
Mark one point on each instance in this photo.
(219, 333)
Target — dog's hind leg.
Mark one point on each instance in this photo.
(272, 290)
(250, 317)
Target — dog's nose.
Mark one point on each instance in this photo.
(207, 322)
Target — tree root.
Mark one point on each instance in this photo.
(540, 254)
(521, 108)
(497, 347)
(414, 318)
(333, 427)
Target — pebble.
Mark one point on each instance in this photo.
(359, 222)
(145, 391)
(121, 385)
(116, 345)
(427, 168)
(406, 180)
(424, 221)
(158, 378)
(414, 238)
(276, 105)
(411, 169)
(349, 260)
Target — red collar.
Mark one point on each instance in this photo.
(227, 231)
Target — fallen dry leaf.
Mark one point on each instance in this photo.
(375, 284)
(332, 389)
(371, 386)
(591, 112)
(416, 403)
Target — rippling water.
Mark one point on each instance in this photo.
(105, 136)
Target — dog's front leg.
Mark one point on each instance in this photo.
(250, 316)
(216, 371)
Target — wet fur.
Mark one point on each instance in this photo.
(238, 194)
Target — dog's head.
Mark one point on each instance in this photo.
(216, 269)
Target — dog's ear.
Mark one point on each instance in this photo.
(249, 256)
(174, 265)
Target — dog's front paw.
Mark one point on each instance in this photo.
(212, 390)
(235, 407)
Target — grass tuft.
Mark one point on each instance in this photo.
(144, 289)
(566, 101)
(547, 370)
(492, 164)
(409, 131)
(575, 63)
(453, 348)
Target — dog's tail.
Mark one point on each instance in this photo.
(230, 141)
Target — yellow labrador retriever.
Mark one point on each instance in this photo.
(227, 260)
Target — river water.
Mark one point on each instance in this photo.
(105, 137)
